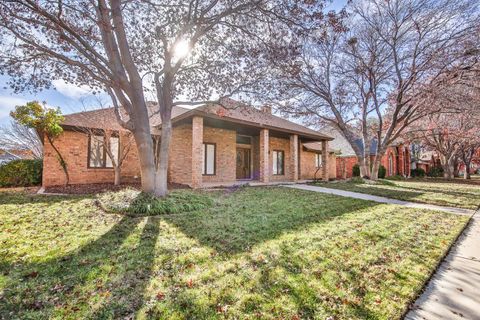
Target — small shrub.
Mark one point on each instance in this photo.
(417, 173)
(21, 173)
(435, 172)
(382, 172)
(133, 202)
(356, 170)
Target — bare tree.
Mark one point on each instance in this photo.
(365, 75)
(19, 137)
(185, 51)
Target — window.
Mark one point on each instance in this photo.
(97, 154)
(318, 160)
(209, 156)
(390, 165)
(278, 162)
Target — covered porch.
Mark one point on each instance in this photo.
(228, 153)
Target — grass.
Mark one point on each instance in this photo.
(257, 253)
(443, 192)
(135, 203)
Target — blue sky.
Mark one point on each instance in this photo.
(66, 96)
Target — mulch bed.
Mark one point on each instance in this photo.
(99, 188)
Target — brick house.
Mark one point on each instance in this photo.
(396, 159)
(211, 145)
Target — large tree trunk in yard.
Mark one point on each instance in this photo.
(144, 143)
(161, 179)
(364, 164)
(466, 175)
(376, 167)
(448, 168)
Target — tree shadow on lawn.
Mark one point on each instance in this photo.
(109, 273)
(232, 229)
(108, 277)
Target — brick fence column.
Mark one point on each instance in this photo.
(264, 156)
(325, 173)
(294, 156)
(197, 151)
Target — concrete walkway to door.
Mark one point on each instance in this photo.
(453, 291)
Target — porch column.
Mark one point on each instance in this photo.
(294, 156)
(264, 172)
(197, 151)
(325, 171)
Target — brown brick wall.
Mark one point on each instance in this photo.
(308, 168)
(181, 148)
(74, 148)
(281, 145)
(225, 164)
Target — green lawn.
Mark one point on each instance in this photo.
(444, 193)
(257, 253)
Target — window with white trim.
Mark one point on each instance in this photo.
(209, 156)
(278, 162)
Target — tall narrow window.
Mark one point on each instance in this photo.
(278, 162)
(390, 165)
(318, 160)
(209, 155)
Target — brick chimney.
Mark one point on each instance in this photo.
(267, 109)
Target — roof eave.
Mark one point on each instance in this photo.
(195, 112)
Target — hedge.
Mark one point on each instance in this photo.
(418, 172)
(356, 170)
(21, 173)
(435, 172)
(382, 172)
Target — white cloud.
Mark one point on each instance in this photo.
(71, 90)
(7, 104)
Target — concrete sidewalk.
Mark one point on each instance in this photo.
(363, 196)
(453, 292)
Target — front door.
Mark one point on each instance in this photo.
(243, 163)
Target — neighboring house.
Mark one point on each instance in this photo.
(396, 159)
(427, 160)
(7, 156)
(211, 145)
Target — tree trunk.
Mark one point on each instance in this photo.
(365, 166)
(144, 143)
(376, 167)
(466, 175)
(117, 177)
(361, 165)
(448, 168)
(456, 170)
(161, 179)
